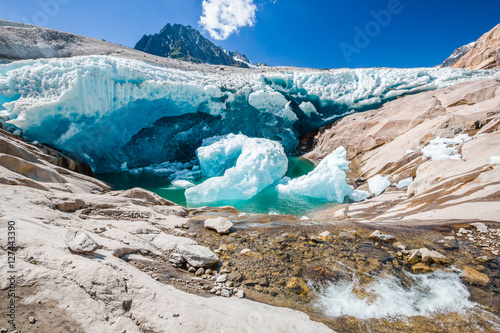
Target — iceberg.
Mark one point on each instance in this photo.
(240, 168)
(326, 182)
(378, 184)
(108, 111)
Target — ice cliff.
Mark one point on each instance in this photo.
(110, 111)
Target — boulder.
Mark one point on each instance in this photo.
(383, 238)
(198, 256)
(80, 242)
(220, 224)
(475, 277)
(481, 227)
(177, 259)
(70, 205)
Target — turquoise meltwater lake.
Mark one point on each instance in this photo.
(268, 201)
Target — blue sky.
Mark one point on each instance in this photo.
(312, 33)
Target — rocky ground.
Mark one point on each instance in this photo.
(89, 258)
(77, 244)
(388, 141)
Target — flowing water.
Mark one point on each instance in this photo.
(268, 201)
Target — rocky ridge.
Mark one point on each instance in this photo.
(389, 142)
(186, 43)
(485, 54)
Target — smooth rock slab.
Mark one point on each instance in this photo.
(220, 224)
(198, 256)
(79, 241)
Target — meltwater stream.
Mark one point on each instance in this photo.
(269, 201)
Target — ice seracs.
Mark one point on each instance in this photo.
(141, 114)
(240, 168)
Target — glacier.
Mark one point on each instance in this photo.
(239, 167)
(109, 111)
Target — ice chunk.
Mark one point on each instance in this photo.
(248, 165)
(182, 183)
(459, 139)
(440, 152)
(378, 184)
(359, 195)
(404, 183)
(308, 108)
(409, 151)
(327, 181)
(495, 159)
(440, 149)
(272, 102)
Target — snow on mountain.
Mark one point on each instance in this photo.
(107, 110)
(186, 43)
(240, 168)
(457, 54)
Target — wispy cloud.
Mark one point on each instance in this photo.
(222, 18)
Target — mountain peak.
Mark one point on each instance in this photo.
(481, 54)
(186, 43)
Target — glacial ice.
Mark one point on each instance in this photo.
(240, 168)
(378, 184)
(326, 182)
(108, 111)
(440, 149)
(180, 183)
(404, 183)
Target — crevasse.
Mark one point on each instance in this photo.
(110, 111)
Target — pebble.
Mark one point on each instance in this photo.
(244, 251)
(240, 294)
(199, 272)
(176, 315)
(192, 270)
(225, 293)
(32, 320)
(222, 278)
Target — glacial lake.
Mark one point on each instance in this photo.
(269, 201)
